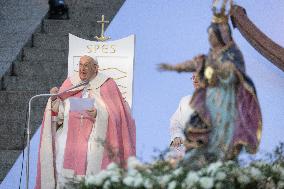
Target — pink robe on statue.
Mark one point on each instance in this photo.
(89, 144)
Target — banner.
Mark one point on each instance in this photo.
(115, 58)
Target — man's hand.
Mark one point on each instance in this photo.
(92, 113)
(177, 142)
(54, 90)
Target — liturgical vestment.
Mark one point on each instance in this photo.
(84, 145)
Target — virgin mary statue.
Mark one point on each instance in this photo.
(227, 116)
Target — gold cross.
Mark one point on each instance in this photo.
(103, 22)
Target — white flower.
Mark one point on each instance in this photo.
(132, 172)
(165, 179)
(255, 173)
(107, 184)
(98, 179)
(219, 185)
(113, 172)
(213, 167)
(259, 164)
(115, 178)
(172, 185)
(281, 171)
(220, 176)
(206, 182)
(133, 178)
(148, 184)
(191, 179)
(229, 163)
(275, 168)
(90, 180)
(209, 72)
(243, 179)
(178, 171)
(132, 163)
(138, 181)
(280, 184)
(129, 181)
(112, 166)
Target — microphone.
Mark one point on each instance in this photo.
(74, 87)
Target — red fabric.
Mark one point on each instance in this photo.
(79, 130)
(54, 113)
(121, 133)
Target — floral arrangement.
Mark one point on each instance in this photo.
(161, 174)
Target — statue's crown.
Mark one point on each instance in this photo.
(220, 17)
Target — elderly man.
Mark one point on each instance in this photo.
(178, 122)
(84, 129)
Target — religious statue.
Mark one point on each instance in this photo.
(227, 116)
(84, 129)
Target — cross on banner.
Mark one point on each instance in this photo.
(103, 22)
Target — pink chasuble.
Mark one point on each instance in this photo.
(121, 132)
(119, 143)
(79, 130)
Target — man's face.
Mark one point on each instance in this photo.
(87, 69)
(195, 81)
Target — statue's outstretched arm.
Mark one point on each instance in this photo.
(187, 66)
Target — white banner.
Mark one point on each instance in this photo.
(115, 58)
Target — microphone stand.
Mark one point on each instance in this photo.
(28, 125)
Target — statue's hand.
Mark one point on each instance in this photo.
(199, 58)
(177, 142)
(92, 113)
(164, 67)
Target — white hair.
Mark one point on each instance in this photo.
(92, 59)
